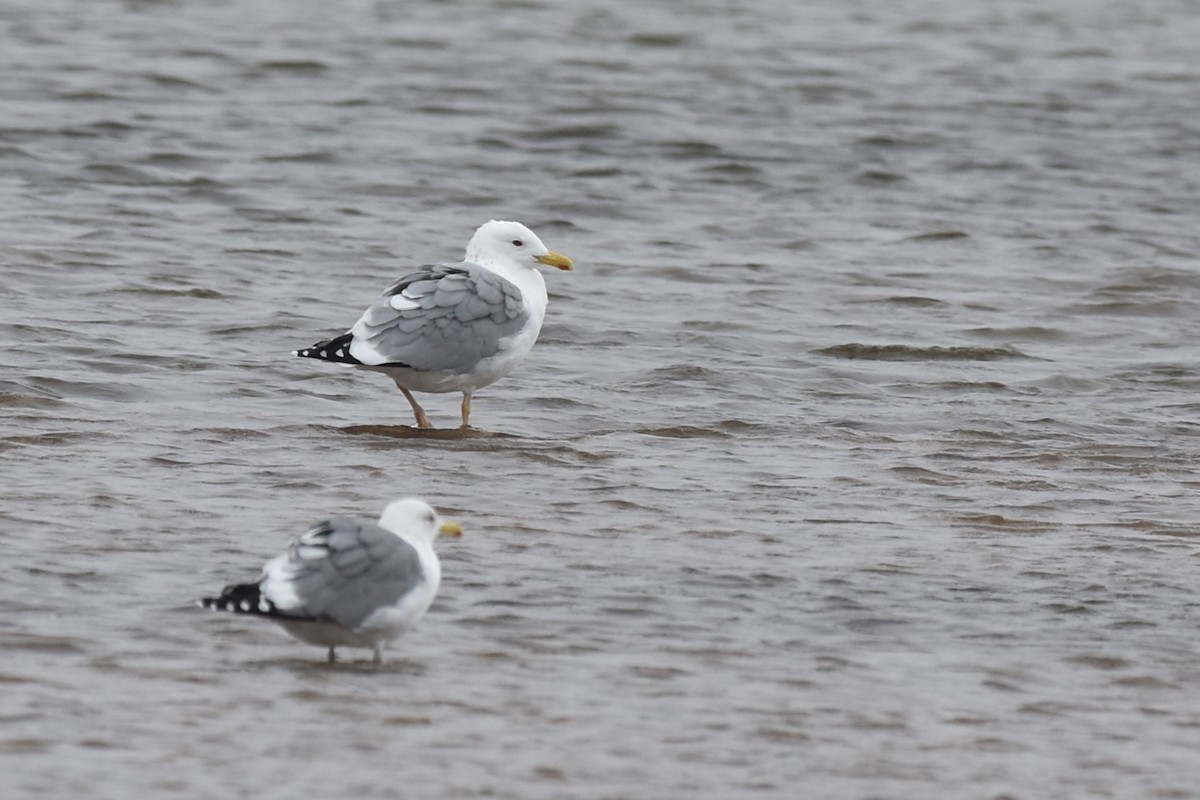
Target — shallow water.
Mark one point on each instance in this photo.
(857, 459)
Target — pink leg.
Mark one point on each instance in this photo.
(422, 420)
(466, 410)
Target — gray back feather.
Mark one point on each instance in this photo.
(343, 569)
(462, 313)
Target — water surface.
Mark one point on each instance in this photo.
(857, 459)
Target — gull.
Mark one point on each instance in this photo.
(454, 327)
(348, 582)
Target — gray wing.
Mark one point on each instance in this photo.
(440, 318)
(343, 569)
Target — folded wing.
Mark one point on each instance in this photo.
(341, 571)
(440, 318)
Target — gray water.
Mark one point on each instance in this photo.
(857, 459)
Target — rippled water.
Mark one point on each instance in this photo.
(857, 459)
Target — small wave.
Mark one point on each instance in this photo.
(308, 157)
(197, 292)
(587, 131)
(938, 236)
(302, 65)
(684, 432)
(659, 39)
(901, 352)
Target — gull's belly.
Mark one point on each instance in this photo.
(325, 634)
(488, 371)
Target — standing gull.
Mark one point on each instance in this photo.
(454, 327)
(349, 582)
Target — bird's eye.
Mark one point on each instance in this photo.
(518, 243)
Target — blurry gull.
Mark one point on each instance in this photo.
(454, 327)
(348, 582)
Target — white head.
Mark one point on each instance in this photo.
(499, 242)
(416, 521)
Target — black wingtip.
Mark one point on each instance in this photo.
(337, 349)
(242, 598)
